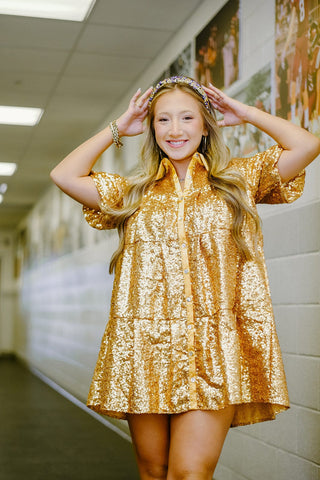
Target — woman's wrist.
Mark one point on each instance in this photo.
(121, 127)
(250, 114)
(115, 133)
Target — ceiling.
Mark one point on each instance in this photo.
(76, 72)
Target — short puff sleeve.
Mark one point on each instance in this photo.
(263, 177)
(110, 188)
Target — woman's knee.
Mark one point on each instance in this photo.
(196, 473)
(151, 470)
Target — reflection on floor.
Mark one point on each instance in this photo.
(43, 436)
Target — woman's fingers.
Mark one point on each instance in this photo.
(146, 95)
(214, 91)
(141, 101)
(135, 97)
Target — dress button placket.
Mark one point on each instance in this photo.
(188, 297)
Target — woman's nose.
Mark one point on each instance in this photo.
(175, 128)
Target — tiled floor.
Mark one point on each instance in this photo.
(43, 436)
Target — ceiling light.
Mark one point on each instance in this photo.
(20, 115)
(7, 169)
(1, 198)
(3, 187)
(76, 10)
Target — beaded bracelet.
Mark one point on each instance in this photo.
(115, 134)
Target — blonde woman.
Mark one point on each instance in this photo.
(190, 348)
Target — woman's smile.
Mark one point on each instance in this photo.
(176, 143)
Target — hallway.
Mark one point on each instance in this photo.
(45, 436)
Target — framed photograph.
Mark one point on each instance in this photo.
(297, 62)
(246, 140)
(182, 65)
(217, 48)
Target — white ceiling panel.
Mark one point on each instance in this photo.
(38, 33)
(163, 15)
(106, 66)
(61, 138)
(63, 110)
(32, 60)
(13, 135)
(12, 152)
(24, 83)
(33, 169)
(18, 98)
(109, 40)
(92, 87)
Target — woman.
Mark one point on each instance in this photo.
(190, 348)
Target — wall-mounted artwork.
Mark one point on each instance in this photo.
(246, 140)
(182, 65)
(217, 48)
(298, 62)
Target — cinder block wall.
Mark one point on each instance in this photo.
(65, 301)
(288, 448)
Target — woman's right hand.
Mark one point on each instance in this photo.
(131, 122)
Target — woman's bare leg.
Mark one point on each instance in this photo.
(151, 437)
(196, 441)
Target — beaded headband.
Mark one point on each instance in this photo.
(183, 81)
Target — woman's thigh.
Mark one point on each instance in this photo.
(196, 441)
(151, 438)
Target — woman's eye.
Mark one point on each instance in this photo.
(162, 119)
(188, 117)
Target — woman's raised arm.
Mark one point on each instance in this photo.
(71, 175)
(300, 146)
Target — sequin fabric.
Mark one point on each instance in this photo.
(191, 325)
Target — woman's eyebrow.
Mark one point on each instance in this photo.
(169, 113)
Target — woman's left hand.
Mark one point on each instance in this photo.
(300, 146)
(234, 112)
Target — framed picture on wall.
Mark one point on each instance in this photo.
(297, 62)
(182, 65)
(217, 48)
(246, 140)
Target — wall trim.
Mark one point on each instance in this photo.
(78, 403)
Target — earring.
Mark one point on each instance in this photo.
(160, 152)
(204, 143)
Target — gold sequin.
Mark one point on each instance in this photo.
(191, 325)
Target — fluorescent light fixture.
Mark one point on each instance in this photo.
(3, 188)
(76, 10)
(20, 115)
(7, 169)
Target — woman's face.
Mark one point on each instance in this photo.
(178, 125)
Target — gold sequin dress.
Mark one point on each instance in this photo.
(191, 325)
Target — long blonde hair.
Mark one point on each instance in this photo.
(229, 184)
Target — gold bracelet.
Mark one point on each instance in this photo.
(115, 134)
